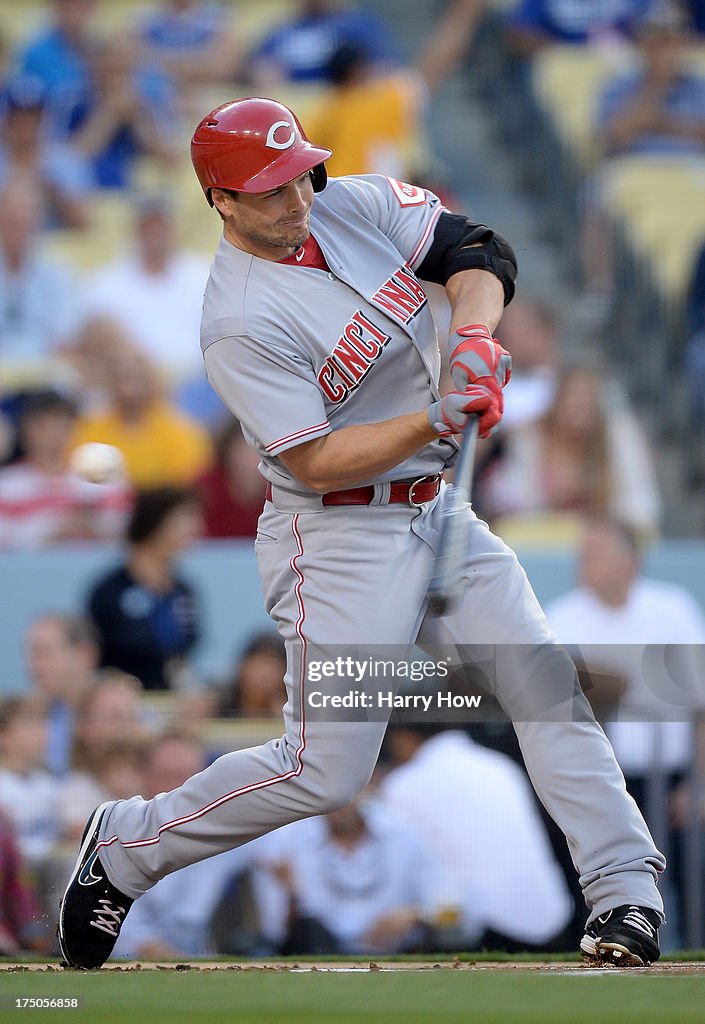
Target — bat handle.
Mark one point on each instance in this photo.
(443, 585)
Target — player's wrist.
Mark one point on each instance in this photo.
(466, 335)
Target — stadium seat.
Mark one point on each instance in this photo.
(660, 204)
(567, 82)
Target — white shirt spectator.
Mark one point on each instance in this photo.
(38, 311)
(475, 810)
(161, 312)
(621, 638)
(346, 890)
(30, 800)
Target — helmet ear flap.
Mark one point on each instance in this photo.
(319, 177)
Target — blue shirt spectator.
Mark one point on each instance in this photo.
(130, 113)
(694, 365)
(683, 101)
(190, 40)
(175, 27)
(695, 303)
(695, 9)
(62, 177)
(60, 57)
(300, 49)
(659, 109)
(573, 21)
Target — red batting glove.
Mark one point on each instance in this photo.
(449, 415)
(478, 358)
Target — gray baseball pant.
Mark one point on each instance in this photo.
(344, 576)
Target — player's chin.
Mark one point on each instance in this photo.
(295, 234)
(298, 238)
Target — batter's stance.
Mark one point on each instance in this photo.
(317, 334)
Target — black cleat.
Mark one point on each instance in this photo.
(624, 937)
(92, 910)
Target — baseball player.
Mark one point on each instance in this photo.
(317, 334)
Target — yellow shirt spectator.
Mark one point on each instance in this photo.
(372, 126)
(165, 447)
(162, 445)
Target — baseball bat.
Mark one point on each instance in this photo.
(444, 585)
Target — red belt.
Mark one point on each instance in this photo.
(401, 492)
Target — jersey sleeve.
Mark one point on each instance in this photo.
(273, 392)
(406, 214)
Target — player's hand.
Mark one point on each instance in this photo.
(449, 415)
(478, 358)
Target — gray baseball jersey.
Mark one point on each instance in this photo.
(297, 352)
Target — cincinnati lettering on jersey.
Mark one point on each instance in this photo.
(401, 295)
(354, 355)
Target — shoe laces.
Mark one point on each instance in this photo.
(635, 918)
(108, 917)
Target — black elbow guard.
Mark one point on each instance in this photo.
(458, 244)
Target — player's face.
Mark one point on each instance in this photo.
(269, 224)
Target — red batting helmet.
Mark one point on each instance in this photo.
(253, 145)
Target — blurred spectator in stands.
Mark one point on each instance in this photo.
(173, 918)
(695, 13)
(20, 913)
(370, 121)
(372, 118)
(191, 41)
(146, 613)
(37, 295)
(659, 109)
(131, 113)
(62, 657)
(161, 444)
(113, 727)
(586, 455)
(41, 501)
(155, 292)
(232, 491)
(89, 354)
(695, 300)
(501, 880)
(299, 50)
(530, 331)
(54, 170)
(111, 711)
(533, 24)
(113, 772)
(28, 793)
(452, 33)
(621, 621)
(257, 685)
(695, 370)
(60, 55)
(353, 881)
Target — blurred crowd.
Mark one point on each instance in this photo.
(102, 273)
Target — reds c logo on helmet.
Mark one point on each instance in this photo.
(254, 145)
(272, 135)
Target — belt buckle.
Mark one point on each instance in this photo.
(416, 504)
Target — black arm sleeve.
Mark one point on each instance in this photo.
(458, 244)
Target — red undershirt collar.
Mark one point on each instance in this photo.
(307, 255)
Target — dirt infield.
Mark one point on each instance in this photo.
(367, 966)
